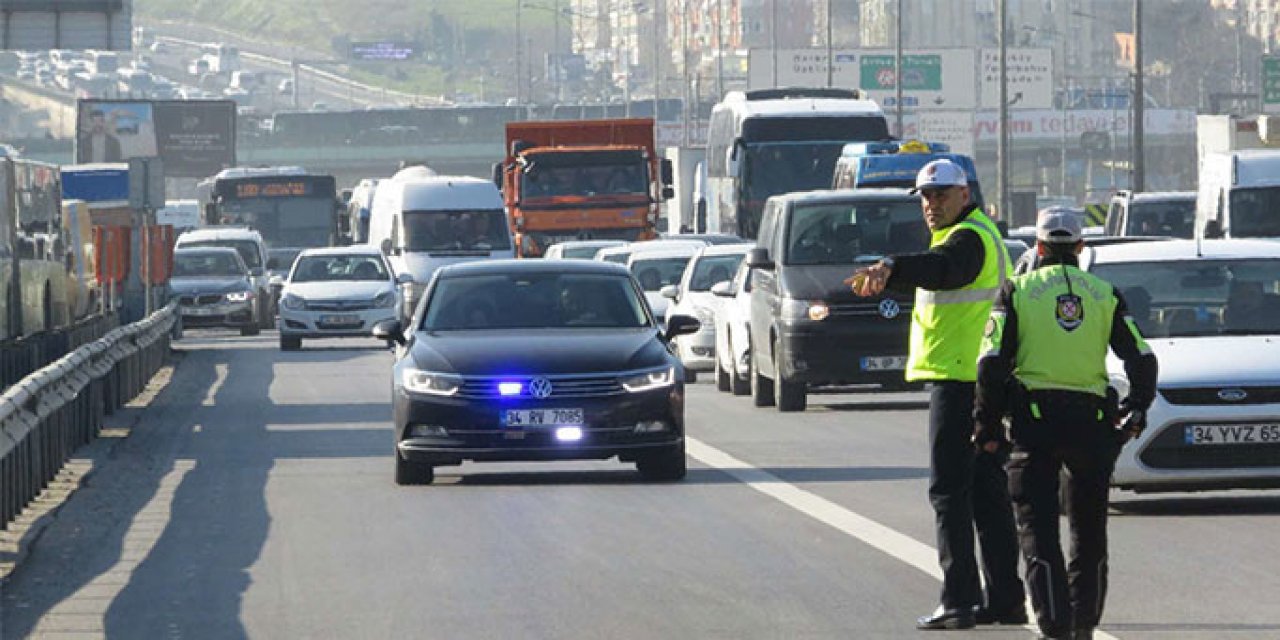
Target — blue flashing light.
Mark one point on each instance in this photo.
(510, 388)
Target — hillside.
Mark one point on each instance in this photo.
(467, 43)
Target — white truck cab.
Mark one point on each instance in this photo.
(1239, 195)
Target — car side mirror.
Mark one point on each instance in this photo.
(723, 289)
(390, 331)
(681, 325)
(404, 278)
(731, 163)
(758, 258)
(276, 281)
(670, 291)
(668, 193)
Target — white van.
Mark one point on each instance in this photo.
(183, 215)
(423, 221)
(1239, 195)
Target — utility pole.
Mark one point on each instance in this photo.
(897, 69)
(773, 38)
(1138, 180)
(519, 60)
(1002, 145)
(657, 53)
(719, 50)
(555, 51)
(831, 61)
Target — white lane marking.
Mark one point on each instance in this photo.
(83, 613)
(220, 378)
(896, 544)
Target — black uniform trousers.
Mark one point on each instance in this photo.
(969, 488)
(1070, 433)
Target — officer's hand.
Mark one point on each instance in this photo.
(869, 281)
(1134, 423)
(989, 440)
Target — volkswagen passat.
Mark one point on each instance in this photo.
(511, 360)
(335, 292)
(1211, 314)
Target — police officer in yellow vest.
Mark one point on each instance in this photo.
(955, 283)
(1044, 364)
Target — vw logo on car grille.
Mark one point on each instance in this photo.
(889, 308)
(1232, 395)
(540, 388)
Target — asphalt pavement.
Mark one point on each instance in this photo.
(255, 499)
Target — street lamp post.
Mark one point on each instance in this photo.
(897, 69)
(1139, 103)
(519, 59)
(830, 59)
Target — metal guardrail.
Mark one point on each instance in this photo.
(52, 412)
(22, 356)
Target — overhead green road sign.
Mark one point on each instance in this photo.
(1271, 84)
(919, 73)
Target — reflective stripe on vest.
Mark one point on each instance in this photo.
(1062, 341)
(946, 326)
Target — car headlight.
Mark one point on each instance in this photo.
(436, 384)
(804, 310)
(649, 380)
(239, 296)
(290, 301)
(385, 300)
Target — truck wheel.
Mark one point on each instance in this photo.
(250, 330)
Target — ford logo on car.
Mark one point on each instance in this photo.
(1232, 395)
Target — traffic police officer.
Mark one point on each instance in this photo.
(955, 283)
(1044, 363)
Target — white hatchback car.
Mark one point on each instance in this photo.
(655, 268)
(693, 297)
(733, 342)
(1211, 313)
(337, 291)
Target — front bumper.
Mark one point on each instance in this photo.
(698, 350)
(832, 351)
(222, 314)
(328, 324)
(474, 430)
(1162, 459)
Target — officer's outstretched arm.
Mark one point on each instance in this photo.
(995, 368)
(1139, 362)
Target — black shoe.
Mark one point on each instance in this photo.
(1083, 634)
(983, 615)
(942, 618)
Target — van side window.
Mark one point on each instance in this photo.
(1113, 219)
(767, 227)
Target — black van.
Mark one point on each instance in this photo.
(807, 327)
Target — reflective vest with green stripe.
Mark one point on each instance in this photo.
(946, 326)
(1063, 336)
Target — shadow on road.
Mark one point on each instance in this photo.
(476, 476)
(878, 405)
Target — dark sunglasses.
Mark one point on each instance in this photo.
(930, 194)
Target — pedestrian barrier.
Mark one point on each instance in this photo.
(22, 356)
(46, 416)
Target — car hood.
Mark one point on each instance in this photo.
(826, 282)
(1215, 361)
(207, 285)
(538, 351)
(337, 290)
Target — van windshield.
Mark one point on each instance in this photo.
(1176, 219)
(460, 230)
(1253, 213)
(851, 232)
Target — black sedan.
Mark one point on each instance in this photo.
(519, 360)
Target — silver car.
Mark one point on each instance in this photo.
(337, 292)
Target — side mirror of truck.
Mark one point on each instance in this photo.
(497, 175)
(668, 192)
(668, 172)
(731, 162)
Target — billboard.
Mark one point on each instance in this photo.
(1029, 72)
(66, 24)
(194, 138)
(385, 50)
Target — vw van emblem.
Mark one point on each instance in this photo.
(889, 308)
(540, 388)
(1232, 395)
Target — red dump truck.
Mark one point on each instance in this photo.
(582, 179)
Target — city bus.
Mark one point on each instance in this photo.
(34, 268)
(771, 141)
(290, 207)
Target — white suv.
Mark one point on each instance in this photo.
(248, 243)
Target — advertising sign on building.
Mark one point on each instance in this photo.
(1029, 74)
(194, 138)
(385, 50)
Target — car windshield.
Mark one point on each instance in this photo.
(319, 268)
(478, 230)
(248, 249)
(709, 270)
(586, 252)
(1176, 219)
(1253, 213)
(655, 273)
(533, 301)
(1199, 297)
(851, 232)
(206, 265)
(283, 258)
